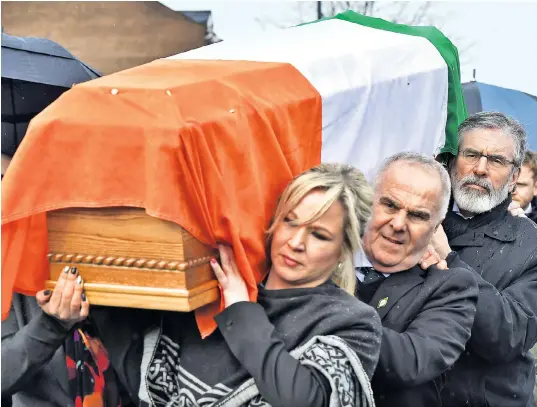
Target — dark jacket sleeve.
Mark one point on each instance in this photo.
(25, 351)
(505, 324)
(436, 337)
(280, 378)
(121, 331)
(364, 338)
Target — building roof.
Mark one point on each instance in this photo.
(200, 17)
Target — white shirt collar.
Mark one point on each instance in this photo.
(360, 260)
(528, 208)
(458, 212)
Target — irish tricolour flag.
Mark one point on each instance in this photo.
(385, 87)
(208, 139)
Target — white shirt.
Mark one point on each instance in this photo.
(458, 212)
(528, 208)
(360, 260)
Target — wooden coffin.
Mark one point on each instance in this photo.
(130, 259)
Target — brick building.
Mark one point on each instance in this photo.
(110, 36)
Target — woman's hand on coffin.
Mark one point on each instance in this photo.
(234, 288)
(430, 258)
(67, 302)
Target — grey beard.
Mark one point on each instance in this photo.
(475, 201)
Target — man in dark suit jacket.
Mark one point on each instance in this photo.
(427, 315)
(526, 196)
(496, 369)
(532, 214)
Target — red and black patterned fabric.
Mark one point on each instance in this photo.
(92, 380)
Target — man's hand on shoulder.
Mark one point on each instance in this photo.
(437, 251)
(432, 258)
(440, 242)
(515, 209)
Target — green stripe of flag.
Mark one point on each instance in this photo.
(456, 109)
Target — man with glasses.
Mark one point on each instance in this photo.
(496, 369)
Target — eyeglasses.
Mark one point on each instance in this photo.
(496, 162)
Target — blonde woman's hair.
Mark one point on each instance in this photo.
(342, 183)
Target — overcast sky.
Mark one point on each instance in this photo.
(498, 39)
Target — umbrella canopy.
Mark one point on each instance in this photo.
(40, 60)
(522, 106)
(21, 101)
(35, 72)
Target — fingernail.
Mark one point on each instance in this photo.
(213, 260)
(73, 270)
(66, 269)
(79, 280)
(83, 296)
(46, 292)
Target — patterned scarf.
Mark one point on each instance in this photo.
(92, 381)
(165, 383)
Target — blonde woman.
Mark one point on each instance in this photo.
(308, 341)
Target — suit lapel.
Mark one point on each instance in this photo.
(393, 288)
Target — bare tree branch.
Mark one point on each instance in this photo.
(418, 17)
(403, 5)
(405, 12)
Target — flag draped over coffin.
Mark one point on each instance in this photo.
(385, 87)
(208, 139)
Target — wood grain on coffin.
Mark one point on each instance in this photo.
(130, 259)
(126, 231)
(149, 298)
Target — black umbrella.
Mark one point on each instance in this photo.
(35, 72)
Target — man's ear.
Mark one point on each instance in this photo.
(438, 224)
(514, 179)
